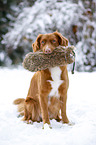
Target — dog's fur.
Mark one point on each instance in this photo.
(43, 101)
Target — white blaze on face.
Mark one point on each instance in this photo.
(56, 81)
(47, 47)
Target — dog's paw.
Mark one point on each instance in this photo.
(29, 122)
(71, 123)
(47, 126)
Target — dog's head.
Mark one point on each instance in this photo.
(48, 42)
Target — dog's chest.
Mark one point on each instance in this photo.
(56, 81)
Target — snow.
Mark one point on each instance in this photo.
(1, 56)
(81, 110)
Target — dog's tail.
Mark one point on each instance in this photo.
(20, 102)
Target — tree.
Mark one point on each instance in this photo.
(42, 17)
(9, 10)
(86, 56)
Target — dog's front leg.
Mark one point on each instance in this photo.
(44, 88)
(44, 108)
(63, 108)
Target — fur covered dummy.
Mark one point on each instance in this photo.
(59, 57)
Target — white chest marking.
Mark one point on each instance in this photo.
(56, 81)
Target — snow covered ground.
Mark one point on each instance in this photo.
(81, 110)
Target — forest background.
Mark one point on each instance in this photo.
(21, 21)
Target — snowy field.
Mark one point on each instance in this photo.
(81, 110)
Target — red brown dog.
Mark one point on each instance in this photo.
(47, 94)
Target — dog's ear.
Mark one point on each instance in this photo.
(36, 44)
(62, 40)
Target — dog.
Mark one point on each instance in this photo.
(47, 93)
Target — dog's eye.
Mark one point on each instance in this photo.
(42, 42)
(53, 41)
